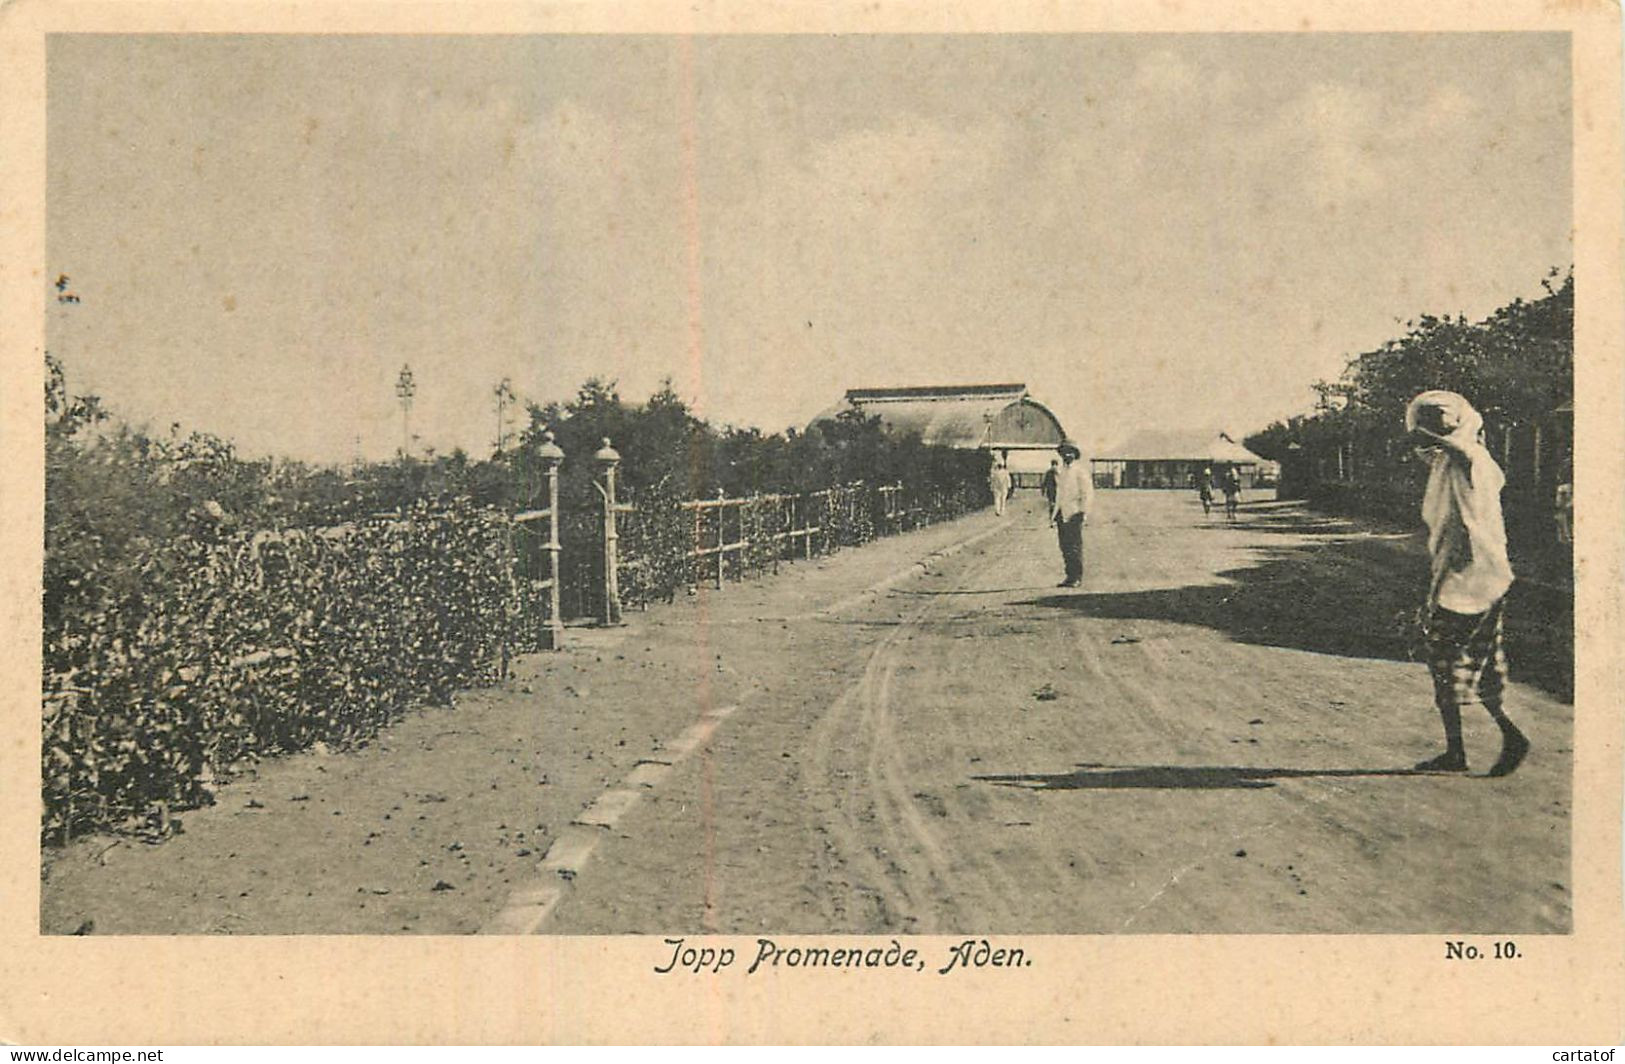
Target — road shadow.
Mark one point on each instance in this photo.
(1176, 777)
(1292, 519)
(971, 591)
(1298, 522)
(1350, 595)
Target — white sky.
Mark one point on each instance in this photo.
(1151, 231)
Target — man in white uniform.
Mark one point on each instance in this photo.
(998, 482)
(1074, 495)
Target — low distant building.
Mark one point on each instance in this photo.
(1152, 459)
(999, 418)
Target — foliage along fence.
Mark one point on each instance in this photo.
(221, 647)
(246, 645)
(1379, 477)
(668, 543)
(1516, 366)
(668, 547)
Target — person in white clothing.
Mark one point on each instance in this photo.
(998, 482)
(1074, 496)
(1470, 575)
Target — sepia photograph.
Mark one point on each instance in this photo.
(871, 484)
(768, 498)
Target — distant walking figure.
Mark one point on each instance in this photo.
(1232, 492)
(1204, 488)
(998, 482)
(1470, 574)
(1048, 484)
(1074, 494)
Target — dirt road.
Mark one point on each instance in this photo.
(1211, 735)
(1207, 736)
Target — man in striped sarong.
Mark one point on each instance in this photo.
(1470, 575)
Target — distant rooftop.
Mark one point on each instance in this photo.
(935, 391)
(957, 415)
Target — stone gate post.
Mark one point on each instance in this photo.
(552, 456)
(608, 459)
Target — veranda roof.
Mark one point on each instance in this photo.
(1152, 445)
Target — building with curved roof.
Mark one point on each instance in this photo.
(990, 417)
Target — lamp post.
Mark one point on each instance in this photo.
(504, 395)
(607, 458)
(551, 456)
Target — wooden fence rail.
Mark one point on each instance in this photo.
(802, 523)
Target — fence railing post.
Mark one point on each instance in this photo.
(693, 575)
(552, 455)
(722, 539)
(786, 543)
(774, 535)
(750, 515)
(510, 597)
(608, 458)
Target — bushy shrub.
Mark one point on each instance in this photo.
(257, 644)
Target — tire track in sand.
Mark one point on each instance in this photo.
(877, 829)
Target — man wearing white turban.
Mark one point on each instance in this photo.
(1470, 574)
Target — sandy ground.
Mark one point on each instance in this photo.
(1212, 735)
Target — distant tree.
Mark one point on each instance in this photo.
(1515, 365)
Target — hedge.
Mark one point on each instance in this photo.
(218, 650)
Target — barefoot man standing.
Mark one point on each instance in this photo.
(1470, 574)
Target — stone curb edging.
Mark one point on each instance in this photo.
(529, 906)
